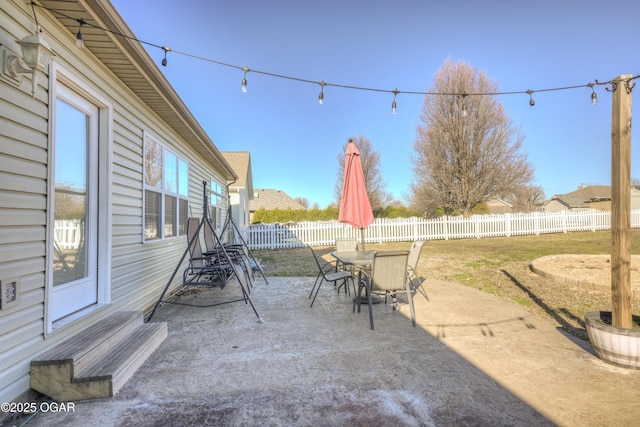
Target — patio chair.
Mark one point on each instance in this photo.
(345, 245)
(412, 264)
(212, 269)
(388, 275)
(327, 272)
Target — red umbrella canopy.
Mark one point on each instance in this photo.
(355, 208)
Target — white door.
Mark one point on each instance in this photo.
(74, 269)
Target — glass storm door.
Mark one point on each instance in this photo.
(75, 175)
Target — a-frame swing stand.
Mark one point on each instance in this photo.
(236, 232)
(205, 222)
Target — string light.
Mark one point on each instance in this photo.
(321, 95)
(594, 96)
(531, 101)
(463, 113)
(614, 83)
(244, 79)
(393, 104)
(164, 60)
(79, 37)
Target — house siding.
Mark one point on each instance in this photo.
(139, 271)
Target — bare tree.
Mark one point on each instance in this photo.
(466, 148)
(303, 201)
(526, 198)
(370, 159)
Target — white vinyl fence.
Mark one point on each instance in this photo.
(324, 233)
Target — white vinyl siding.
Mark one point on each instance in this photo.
(138, 271)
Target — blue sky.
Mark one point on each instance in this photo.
(294, 141)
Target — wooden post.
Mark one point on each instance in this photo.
(621, 203)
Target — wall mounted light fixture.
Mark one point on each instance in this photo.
(36, 55)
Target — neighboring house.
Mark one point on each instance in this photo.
(587, 197)
(270, 199)
(498, 206)
(99, 170)
(240, 191)
(579, 199)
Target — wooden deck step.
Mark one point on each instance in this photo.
(83, 348)
(98, 361)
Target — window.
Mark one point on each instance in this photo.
(166, 185)
(217, 203)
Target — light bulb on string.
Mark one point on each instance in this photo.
(531, 100)
(321, 95)
(164, 60)
(79, 37)
(594, 96)
(463, 111)
(244, 79)
(394, 106)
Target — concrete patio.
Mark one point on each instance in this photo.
(474, 360)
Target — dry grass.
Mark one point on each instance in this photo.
(499, 266)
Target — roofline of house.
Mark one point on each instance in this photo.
(114, 22)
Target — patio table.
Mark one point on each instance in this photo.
(361, 261)
(355, 258)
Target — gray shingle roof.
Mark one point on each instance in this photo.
(272, 199)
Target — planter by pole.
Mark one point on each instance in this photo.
(619, 346)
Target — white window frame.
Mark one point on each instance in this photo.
(180, 190)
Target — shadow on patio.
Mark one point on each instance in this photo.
(474, 359)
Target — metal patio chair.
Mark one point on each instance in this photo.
(389, 276)
(412, 264)
(327, 272)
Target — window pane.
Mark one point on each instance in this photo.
(170, 211)
(183, 178)
(170, 172)
(152, 162)
(184, 214)
(151, 215)
(71, 196)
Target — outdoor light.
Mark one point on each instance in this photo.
(393, 104)
(531, 101)
(594, 96)
(321, 95)
(36, 55)
(79, 38)
(463, 110)
(244, 79)
(164, 60)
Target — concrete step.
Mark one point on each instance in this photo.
(98, 361)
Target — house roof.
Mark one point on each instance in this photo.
(272, 199)
(240, 161)
(582, 196)
(130, 62)
(496, 201)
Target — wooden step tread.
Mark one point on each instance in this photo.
(141, 341)
(87, 340)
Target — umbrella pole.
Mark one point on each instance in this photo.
(362, 238)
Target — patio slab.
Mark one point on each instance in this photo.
(474, 359)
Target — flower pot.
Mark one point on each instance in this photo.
(619, 346)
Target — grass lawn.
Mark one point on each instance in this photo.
(499, 266)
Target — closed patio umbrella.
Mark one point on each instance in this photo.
(355, 208)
